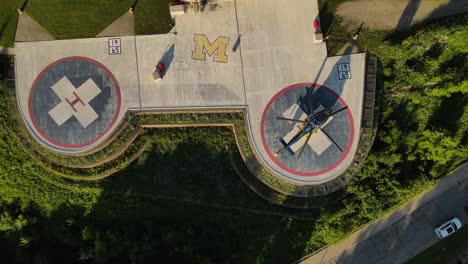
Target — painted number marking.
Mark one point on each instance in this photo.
(344, 71)
(114, 46)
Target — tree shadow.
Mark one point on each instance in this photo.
(191, 207)
(193, 173)
(40, 237)
(452, 12)
(400, 235)
(447, 115)
(4, 66)
(136, 220)
(408, 14)
(455, 70)
(453, 7)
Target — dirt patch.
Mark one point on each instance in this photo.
(397, 14)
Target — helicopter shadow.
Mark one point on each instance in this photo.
(322, 93)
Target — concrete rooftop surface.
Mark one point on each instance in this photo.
(258, 55)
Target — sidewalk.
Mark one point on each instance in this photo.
(397, 14)
(29, 30)
(123, 26)
(404, 233)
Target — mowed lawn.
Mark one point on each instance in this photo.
(65, 19)
(8, 19)
(153, 17)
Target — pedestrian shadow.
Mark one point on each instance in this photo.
(237, 43)
(326, 18)
(167, 59)
(351, 46)
(4, 26)
(23, 6)
(134, 4)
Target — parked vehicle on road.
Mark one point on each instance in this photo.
(448, 228)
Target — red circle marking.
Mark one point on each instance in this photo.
(73, 146)
(301, 173)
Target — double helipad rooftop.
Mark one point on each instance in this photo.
(257, 55)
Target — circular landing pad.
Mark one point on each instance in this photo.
(320, 154)
(73, 102)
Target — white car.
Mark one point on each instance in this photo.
(448, 228)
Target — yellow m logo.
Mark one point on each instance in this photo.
(203, 46)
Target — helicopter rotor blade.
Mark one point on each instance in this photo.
(309, 101)
(326, 109)
(331, 139)
(305, 143)
(290, 119)
(279, 152)
(321, 111)
(337, 111)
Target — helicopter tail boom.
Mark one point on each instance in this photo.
(285, 147)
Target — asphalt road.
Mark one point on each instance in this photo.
(407, 231)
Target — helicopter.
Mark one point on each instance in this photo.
(312, 123)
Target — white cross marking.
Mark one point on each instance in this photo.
(319, 142)
(74, 102)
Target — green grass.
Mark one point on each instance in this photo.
(444, 251)
(143, 212)
(340, 34)
(8, 20)
(162, 206)
(152, 17)
(66, 19)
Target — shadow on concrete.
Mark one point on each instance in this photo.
(453, 7)
(237, 43)
(338, 87)
(451, 11)
(167, 59)
(408, 14)
(326, 19)
(302, 156)
(343, 59)
(448, 114)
